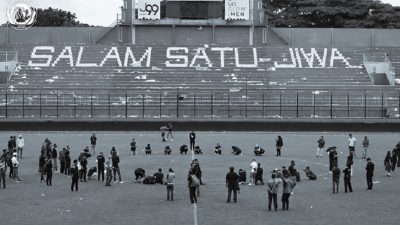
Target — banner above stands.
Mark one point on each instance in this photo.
(149, 9)
(237, 9)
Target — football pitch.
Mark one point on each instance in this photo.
(32, 202)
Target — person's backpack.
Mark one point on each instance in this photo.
(195, 181)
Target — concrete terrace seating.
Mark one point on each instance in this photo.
(157, 76)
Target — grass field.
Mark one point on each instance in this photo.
(30, 202)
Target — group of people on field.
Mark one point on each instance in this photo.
(107, 167)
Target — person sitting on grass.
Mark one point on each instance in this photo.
(167, 150)
(147, 149)
(139, 175)
(159, 176)
(310, 174)
(236, 150)
(218, 149)
(197, 150)
(258, 151)
(183, 149)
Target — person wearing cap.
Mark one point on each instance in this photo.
(133, 146)
(93, 141)
(310, 174)
(232, 183)
(20, 146)
(15, 165)
(100, 166)
(75, 175)
(370, 173)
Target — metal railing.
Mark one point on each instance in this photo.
(200, 104)
(379, 63)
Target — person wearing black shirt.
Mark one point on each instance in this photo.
(259, 175)
(115, 165)
(232, 183)
(42, 162)
(159, 176)
(83, 163)
(279, 144)
(49, 172)
(75, 176)
(93, 141)
(192, 138)
(183, 149)
(133, 146)
(139, 174)
(100, 166)
(67, 161)
(370, 173)
(347, 179)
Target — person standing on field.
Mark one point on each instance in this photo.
(20, 146)
(279, 144)
(170, 184)
(352, 145)
(232, 183)
(273, 187)
(365, 146)
(192, 139)
(321, 145)
(93, 142)
(370, 173)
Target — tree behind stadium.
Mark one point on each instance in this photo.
(56, 18)
(332, 13)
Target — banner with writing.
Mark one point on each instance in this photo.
(237, 9)
(149, 9)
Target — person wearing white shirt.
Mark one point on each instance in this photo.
(20, 146)
(352, 145)
(253, 170)
(15, 164)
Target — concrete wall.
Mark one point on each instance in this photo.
(232, 35)
(191, 35)
(147, 35)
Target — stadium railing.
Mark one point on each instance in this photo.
(197, 104)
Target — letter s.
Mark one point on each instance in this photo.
(35, 56)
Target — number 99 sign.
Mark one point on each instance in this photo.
(149, 9)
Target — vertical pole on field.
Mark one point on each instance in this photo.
(313, 104)
(126, 104)
(331, 106)
(91, 104)
(297, 105)
(365, 104)
(194, 105)
(229, 104)
(143, 105)
(57, 104)
(382, 107)
(348, 104)
(40, 104)
(23, 104)
(280, 104)
(160, 105)
(263, 105)
(212, 105)
(109, 104)
(177, 105)
(6, 103)
(74, 105)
